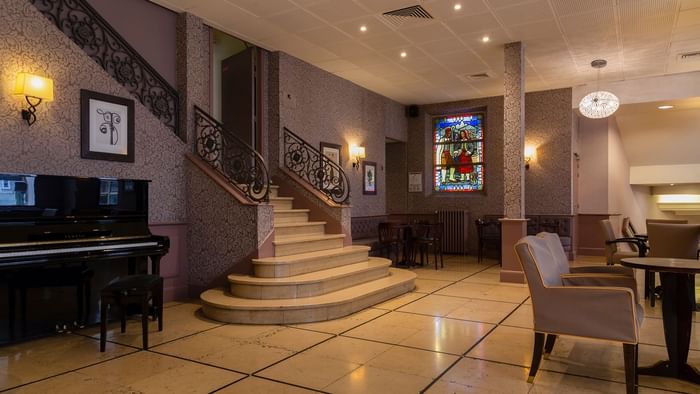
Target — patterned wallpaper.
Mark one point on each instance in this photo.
(30, 43)
(319, 106)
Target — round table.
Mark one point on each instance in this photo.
(677, 281)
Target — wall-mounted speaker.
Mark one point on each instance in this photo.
(412, 111)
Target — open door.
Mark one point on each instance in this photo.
(238, 95)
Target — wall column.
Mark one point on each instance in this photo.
(513, 226)
(193, 70)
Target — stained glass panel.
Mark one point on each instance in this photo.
(458, 153)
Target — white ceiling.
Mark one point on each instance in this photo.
(638, 38)
(652, 136)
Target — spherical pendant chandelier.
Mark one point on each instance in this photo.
(599, 104)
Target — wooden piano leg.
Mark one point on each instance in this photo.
(11, 312)
(144, 321)
(103, 325)
(123, 308)
(155, 265)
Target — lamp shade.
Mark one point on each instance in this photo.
(34, 86)
(599, 104)
(358, 152)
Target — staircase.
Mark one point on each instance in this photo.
(312, 277)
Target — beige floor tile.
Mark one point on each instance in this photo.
(399, 301)
(345, 323)
(653, 329)
(484, 277)
(178, 321)
(309, 370)
(69, 383)
(434, 305)
(424, 332)
(494, 292)
(253, 385)
(352, 350)
(479, 376)
(367, 379)
(483, 311)
(430, 285)
(428, 273)
(413, 362)
(522, 317)
(30, 361)
(148, 372)
(243, 348)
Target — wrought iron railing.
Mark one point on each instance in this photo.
(232, 157)
(316, 169)
(94, 35)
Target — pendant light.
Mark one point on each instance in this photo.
(598, 104)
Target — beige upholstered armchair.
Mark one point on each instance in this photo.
(613, 254)
(577, 308)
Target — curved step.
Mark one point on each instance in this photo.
(291, 215)
(222, 306)
(299, 229)
(279, 267)
(310, 284)
(285, 246)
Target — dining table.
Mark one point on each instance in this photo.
(678, 282)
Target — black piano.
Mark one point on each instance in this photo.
(62, 236)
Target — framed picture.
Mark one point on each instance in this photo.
(106, 127)
(415, 182)
(369, 177)
(332, 152)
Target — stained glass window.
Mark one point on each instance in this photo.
(458, 153)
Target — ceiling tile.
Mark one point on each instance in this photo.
(569, 7)
(471, 24)
(442, 46)
(351, 49)
(337, 65)
(689, 17)
(385, 5)
(496, 4)
(689, 4)
(372, 23)
(264, 8)
(335, 11)
(525, 13)
(385, 41)
(426, 32)
(295, 20)
(324, 36)
(444, 9)
(542, 29)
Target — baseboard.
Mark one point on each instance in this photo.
(591, 251)
(512, 276)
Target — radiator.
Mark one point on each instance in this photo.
(455, 231)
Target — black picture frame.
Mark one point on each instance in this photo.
(327, 147)
(369, 170)
(105, 121)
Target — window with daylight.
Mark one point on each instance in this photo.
(458, 153)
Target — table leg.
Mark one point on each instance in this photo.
(677, 311)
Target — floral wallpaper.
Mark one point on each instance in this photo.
(30, 43)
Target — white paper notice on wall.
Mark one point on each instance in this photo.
(415, 182)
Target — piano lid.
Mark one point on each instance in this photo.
(28, 197)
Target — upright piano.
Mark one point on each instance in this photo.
(55, 230)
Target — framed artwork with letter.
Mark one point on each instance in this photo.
(106, 127)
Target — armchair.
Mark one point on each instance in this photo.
(598, 312)
(613, 254)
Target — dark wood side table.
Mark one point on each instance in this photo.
(677, 308)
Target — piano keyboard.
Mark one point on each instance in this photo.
(77, 249)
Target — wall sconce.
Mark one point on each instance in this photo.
(529, 154)
(35, 89)
(358, 152)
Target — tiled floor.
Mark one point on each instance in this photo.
(459, 331)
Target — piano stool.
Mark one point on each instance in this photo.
(78, 277)
(133, 289)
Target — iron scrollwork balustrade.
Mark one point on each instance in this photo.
(316, 169)
(82, 24)
(237, 161)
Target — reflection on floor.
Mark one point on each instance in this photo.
(459, 331)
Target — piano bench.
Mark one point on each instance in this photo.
(133, 289)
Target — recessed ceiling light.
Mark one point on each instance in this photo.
(485, 39)
(363, 28)
(404, 54)
(458, 7)
(665, 106)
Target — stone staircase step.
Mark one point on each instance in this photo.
(220, 305)
(291, 215)
(282, 202)
(285, 246)
(310, 284)
(299, 228)
(279, 267)
(274, 190)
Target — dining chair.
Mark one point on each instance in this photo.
(578, 308)
(674, 240)
(388, 241)
(428, 236)
(613, 254)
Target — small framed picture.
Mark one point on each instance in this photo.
(369, 183)
(331, 151)
(415, 182)
(330, 174)
(106, 127)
